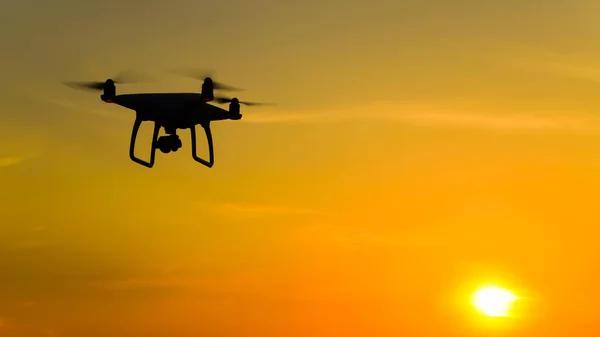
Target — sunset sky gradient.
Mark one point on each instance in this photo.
(418, 149)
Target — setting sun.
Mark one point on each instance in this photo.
(493, 301)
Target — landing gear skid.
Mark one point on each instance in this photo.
(170, 143)
(134, 132)
(211, 152)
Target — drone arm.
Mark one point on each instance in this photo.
(134, 132)
(211, 152)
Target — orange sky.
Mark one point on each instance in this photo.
(418, 150)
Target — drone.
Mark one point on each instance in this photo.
(171, 111)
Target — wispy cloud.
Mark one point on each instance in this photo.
(69, 105)
(230, 282)
(557, 64)
(11, 328)
(137, 283)
(30, 244)
(61, 103)
(569, 70)
(430, 116)
(355, 237)
(10, 161)
(20, 147)
(348, 237)
(215, 281)
(417, 113)
(359, 237)
(28, 304)
(254, 210)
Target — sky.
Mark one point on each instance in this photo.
(418, 149)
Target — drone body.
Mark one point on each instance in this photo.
(172, 112)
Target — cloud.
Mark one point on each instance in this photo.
(57, 150)
(12, 328)
(562, 65)
(432, 116)
(10, 161)
(359, 237)
(254, 210)
(30, 245)
(579, 72)
(28, 304)
(229, 281)
(349, 236)
(135, 283)
(422, 114)
(61, 103)
(79, 108)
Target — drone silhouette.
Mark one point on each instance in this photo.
(171, 111)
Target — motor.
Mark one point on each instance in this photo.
(234, 109)
(110, 91)
(208, 90)
(234, 106)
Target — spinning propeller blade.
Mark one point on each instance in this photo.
(85, 85)
(122, 77)
(223, 100)
(202, 75)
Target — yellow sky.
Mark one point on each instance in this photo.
(418, 149)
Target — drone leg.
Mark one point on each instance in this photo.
(136, 128)
(211, 152)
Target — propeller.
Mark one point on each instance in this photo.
(223, 100)
(203, 75)
(122, 77)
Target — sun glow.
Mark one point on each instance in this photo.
(493, 301)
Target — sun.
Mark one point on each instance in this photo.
(493, 301)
